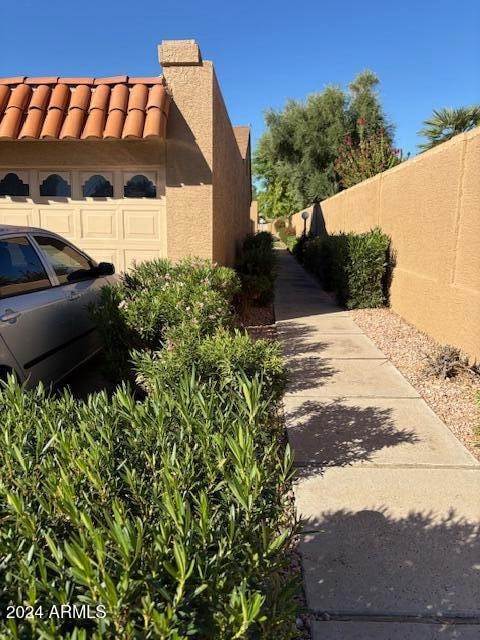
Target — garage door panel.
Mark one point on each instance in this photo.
(17, 216)
(61, 221)
(141, 224)
(99, 223)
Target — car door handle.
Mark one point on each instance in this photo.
(10, 315)
(73, 296)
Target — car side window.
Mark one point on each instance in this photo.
(69, 265)
(21, 270)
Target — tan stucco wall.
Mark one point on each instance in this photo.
(189, 161)
(207, 180)
(430, 206)
(119, 230)
(297, 224)
(231, 185)
(254, 216)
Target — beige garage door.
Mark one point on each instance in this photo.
(119, 231)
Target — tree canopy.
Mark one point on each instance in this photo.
(446, 123)
(294, 161)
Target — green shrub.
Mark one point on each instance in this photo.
(313, 253)
(154, 298)
(298, 247)
(261, 240)
(287, 236)
(171, 513)
(191, 272)
(352, 265)
(256, 267)
(217, 359)
(367, 260)
(291, 241)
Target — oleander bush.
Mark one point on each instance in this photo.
(256, 267)
(354, 266)
(171, 513)
(191, 272)
(217, 359)
(157, 297)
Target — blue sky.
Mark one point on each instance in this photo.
(427, 53)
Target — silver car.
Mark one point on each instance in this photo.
(46, 285)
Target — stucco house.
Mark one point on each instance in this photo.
(128, 168)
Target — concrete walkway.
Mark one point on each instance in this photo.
(390, 499)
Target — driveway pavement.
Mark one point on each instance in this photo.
(389, 498)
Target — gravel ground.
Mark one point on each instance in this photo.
(259, 322)
(252, 316)
(453, 400)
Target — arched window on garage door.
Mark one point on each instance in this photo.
(97, 186)
(139, 186)
(12, 185)
(55, 186)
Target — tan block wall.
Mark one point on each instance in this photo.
(255, 226)
(297, 223)
(189, 161)
(254, 216)
(231, 186)
(207, 180)
(430, 206)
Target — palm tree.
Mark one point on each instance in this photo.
(446, 123)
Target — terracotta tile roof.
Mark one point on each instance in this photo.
(83, 108)
(242, 136)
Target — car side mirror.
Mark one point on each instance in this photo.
(105, 269)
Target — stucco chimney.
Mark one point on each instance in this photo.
(179, 53)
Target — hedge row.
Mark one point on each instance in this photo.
(256, 267)
(354, 266)
(159, 300)
(168, 515)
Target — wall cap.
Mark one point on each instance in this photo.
(178, 53)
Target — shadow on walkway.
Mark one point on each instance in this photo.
(418, 564)
(306, 373)
(337, 434)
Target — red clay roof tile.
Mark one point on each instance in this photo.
(111, 80)
(17, 80)
(133, 127)
(119, 99)
(79, 108)
(114, 124)
(4, 96)
(14, 111)
(47, 80)
(76, 81)
(149, 80)
(36, 113)
(138, 97)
